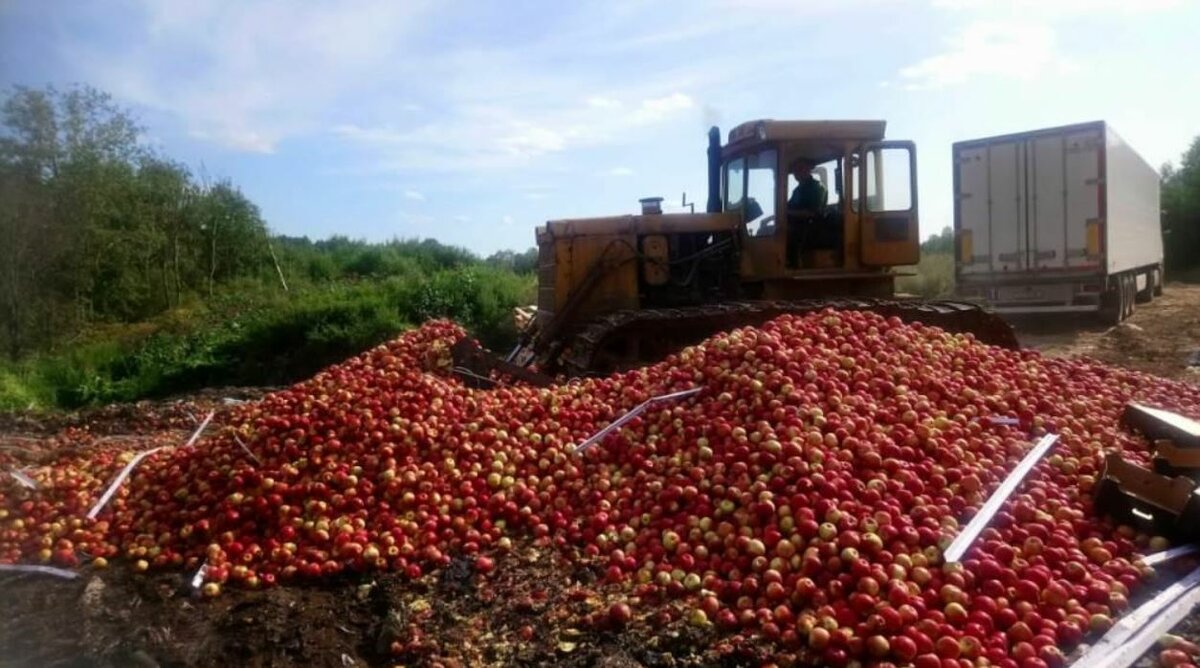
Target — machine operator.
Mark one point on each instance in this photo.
(806, 207)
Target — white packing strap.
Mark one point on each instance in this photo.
(637, 410)
(968, 535)
(230, 401)
(116, 484)
(48, 570)
(200, 429)
(1003, 420)
(1111, 650)
(198, 578)
(250, 454)
(24, 479)
(1167, 555)
(1127, 654)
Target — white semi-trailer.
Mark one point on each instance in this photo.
(1057, 220)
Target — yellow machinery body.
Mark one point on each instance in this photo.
(619, 290)
(640, 253)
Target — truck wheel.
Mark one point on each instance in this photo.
(1158, 281)
(1113, 306)
(1130, 293)
(1146, 295)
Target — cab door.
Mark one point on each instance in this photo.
(752, 188)
(887, 204)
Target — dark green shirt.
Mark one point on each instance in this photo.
(809, 195)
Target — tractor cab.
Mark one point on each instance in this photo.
(867, 221)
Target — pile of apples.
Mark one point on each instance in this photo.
(804, 496)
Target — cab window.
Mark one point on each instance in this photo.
(826, 173)
(893, 193)
(760, 192)
(735, 184)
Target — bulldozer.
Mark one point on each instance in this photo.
(621, 291)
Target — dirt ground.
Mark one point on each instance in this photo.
(534, 610)
(1162, 337)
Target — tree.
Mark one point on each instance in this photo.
(25, 264)
(53, 145)
(521, 263)
(234, 234)
(1181, 210)
(94, 226)
(939, 243)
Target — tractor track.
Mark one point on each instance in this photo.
(645, 335)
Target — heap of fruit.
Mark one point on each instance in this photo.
(805, 495)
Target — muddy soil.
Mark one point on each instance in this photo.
(534, 610)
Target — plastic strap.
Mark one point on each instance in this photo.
(116, 484)
(48, 570)
(968, 535)
(1109, 650)
(199, 430)
(637, 410)
(24, 479)
(1167, 555)
(250, 454)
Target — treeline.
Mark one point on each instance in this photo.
(96, 228)
(341, 258)
(1181, 210)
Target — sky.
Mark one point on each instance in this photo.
(473, 122)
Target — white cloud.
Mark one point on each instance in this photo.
(481, 136)
(659, 108)
(620, 171)
(1058, 8)
(414, 218)
(601, 102)
(244, 74)
(507, 220)
(414, 195)
(249, 74)
(782, 8)
(462, 219)
(1013, 38)
(990, 48)
(528, 139)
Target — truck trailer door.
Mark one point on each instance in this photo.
(1006, 181)
(974, 233)
(991, 199)
(1084, 198)
(1048, 221)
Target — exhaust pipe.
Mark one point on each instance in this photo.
(651, 206)
(714, 170)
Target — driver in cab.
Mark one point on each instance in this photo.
(805, 207)
(809, 196)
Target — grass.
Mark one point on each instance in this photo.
(254, 334)
(934, 277)
(1188, 275)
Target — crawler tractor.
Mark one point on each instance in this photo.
(619, 291)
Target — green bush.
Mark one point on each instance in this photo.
(16, 393)
(255, 334)
(934, 277)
